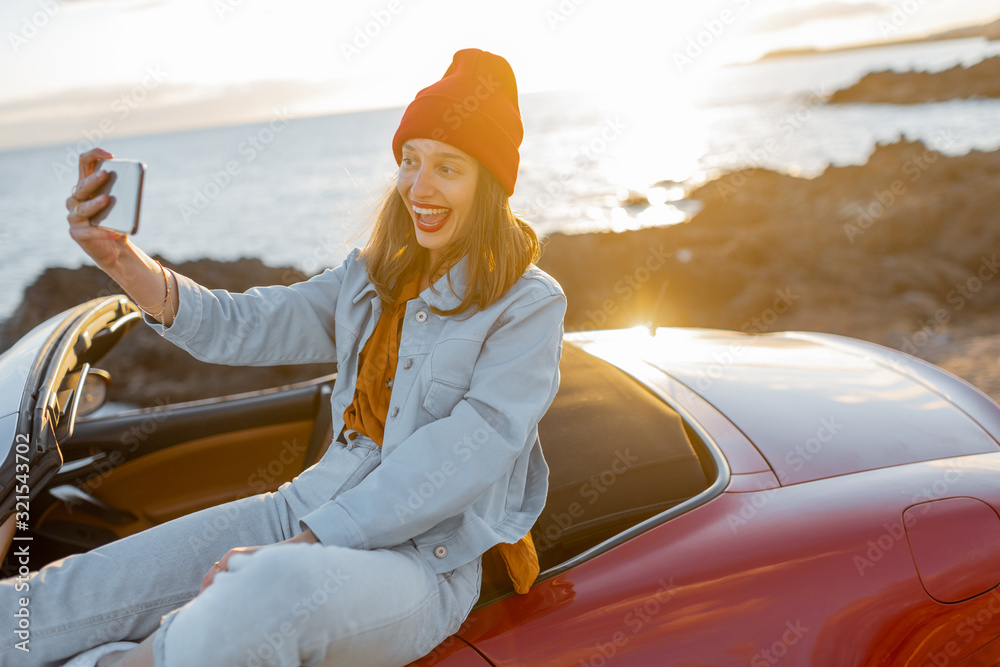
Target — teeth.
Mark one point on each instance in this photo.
(430, 211)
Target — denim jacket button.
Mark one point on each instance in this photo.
(395, 411)
(440, 551)
(408, 365)
(421, 316)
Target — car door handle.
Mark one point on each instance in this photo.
(75, 497)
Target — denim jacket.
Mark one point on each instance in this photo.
(462, 467)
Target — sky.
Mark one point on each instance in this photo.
(70, 69)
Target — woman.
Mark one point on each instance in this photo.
(447, 340)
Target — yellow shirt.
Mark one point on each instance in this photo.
(376, 365)
(367, 414)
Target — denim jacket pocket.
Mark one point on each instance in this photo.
(451, 365)
(442, 398)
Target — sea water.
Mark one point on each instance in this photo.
(300, 191)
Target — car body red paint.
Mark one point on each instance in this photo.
(715, 498)
(803, 556)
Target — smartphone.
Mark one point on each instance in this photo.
(124, 187)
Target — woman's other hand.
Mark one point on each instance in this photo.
(104, 247)
(222, 564)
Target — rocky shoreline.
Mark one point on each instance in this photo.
(902, 251)
(981, 80)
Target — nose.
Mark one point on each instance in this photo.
(423, 185)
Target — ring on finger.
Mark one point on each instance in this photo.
(216, 566)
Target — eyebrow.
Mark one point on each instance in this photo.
(407, 144)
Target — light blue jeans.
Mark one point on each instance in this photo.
(289, 605)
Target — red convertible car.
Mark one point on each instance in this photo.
(716, 498)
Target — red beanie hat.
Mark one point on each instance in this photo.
(473, 108)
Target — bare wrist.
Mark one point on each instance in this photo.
(151, 286)
(126, 266)
(305, 536)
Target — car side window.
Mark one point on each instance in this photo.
(617, 455)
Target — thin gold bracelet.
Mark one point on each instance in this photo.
(170, 304)
(158, 315)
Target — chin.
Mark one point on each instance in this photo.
(432, 240)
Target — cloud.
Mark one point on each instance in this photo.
(118, 5)
(75, 115)
(134, 3)
(823, 11)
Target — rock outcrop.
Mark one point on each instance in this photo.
(980, 80)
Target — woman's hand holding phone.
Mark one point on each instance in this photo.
(104, 246)
(138, 274)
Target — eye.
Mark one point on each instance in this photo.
(448, 170)
(407, 161)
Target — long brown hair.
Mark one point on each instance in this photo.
(499, 246)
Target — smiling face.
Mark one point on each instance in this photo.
(438, 184)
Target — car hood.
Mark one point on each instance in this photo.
(819, 405)
(40, 381)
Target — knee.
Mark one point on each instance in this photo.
(291, 582)
(273, 605)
